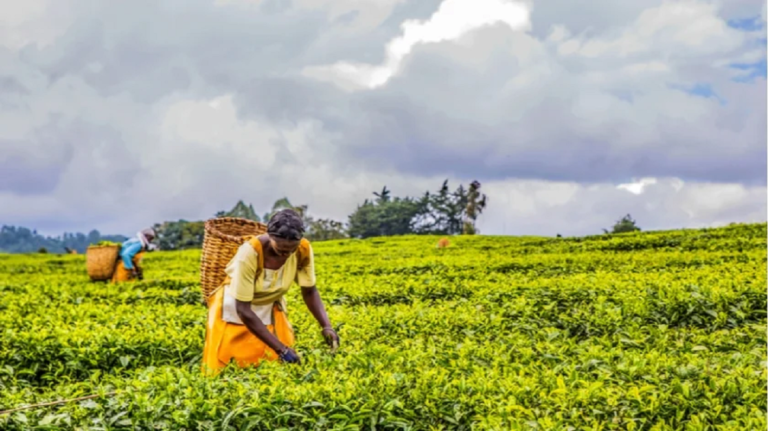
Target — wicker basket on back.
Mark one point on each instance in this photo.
(223, 236)
(100, 261)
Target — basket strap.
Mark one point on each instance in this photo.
(302, 255)
(256, 244)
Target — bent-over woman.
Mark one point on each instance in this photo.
(247, 320)
(128, 266)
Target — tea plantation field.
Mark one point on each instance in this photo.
(649, 331)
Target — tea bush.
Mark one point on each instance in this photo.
(639, 331)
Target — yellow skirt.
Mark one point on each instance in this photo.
(122, 274)
(226, 341)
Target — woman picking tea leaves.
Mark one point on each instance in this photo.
(247, 320)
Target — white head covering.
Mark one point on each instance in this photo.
(142, 235)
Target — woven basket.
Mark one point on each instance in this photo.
(223, 236)
(100, 261)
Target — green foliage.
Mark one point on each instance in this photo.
(443, 213)
(180, 235)
(105, 244)
(325, 230)
(476, 203)
(626, 224)
(184, 235)
(316, 229)
(643, 331)
(22, 240)
(385, 216)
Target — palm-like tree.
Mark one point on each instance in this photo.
(476, 203)
(383, 195)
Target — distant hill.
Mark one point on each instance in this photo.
(15, 239)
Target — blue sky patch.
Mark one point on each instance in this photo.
(752, 71)
(747, 24)
(700, 89)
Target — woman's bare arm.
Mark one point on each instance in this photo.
(315, 305)
(257, 328)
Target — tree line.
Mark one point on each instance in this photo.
(14, 239)
(445, 212)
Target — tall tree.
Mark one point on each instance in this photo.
(476, 203)
(383, 196)
(446, 213)
(441, 211)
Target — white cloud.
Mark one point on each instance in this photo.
(121, 121)
(368, 14)
(637, 187)
(572, 209)
(452, 20)
(680, 28)
(648, 67)
(35, 22)
(214, 124)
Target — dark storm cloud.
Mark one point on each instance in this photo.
(548, 144)
(28, 174)
(152, 49)
(34, 166)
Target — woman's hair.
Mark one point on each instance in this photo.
(286, 224)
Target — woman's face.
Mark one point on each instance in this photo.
(283, 247)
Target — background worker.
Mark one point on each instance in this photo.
(129, 264)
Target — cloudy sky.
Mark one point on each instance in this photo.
(115, 115)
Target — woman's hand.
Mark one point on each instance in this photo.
(331, 338)
(290, 356)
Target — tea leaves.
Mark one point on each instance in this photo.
(640, 331)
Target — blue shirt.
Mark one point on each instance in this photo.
(128, 251)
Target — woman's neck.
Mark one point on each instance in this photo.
(269, 253)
